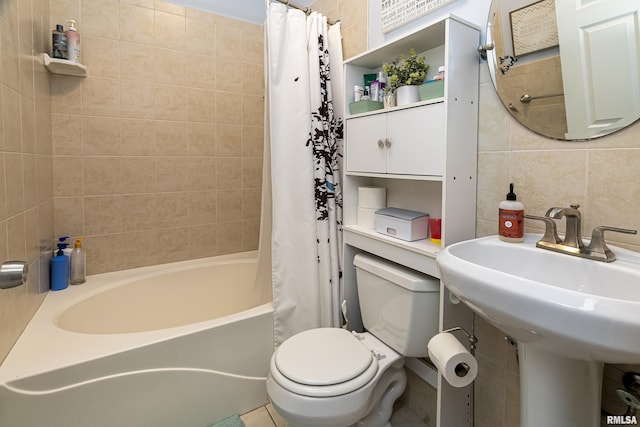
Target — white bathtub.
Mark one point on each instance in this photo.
(177, 345)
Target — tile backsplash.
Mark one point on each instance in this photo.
(157, 154)
(26, 198)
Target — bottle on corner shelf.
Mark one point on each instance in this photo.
(59, 43)
(73, 42)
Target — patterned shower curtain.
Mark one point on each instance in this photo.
(305, 140)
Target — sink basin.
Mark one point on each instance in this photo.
(570, 306)
(568, 314)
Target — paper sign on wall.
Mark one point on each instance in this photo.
(396, 13)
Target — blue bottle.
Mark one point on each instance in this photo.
(60, 269)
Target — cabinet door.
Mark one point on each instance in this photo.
(365, 150)
(416, 137)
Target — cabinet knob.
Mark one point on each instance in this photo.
(380, 144)
(387, 142)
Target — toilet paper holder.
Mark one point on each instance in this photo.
(472, 338)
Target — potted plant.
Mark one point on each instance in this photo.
(405, 74)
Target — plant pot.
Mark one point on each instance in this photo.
(407, 94)
(389, 100)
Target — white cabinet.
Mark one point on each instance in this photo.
(404, 142)
(425, 155)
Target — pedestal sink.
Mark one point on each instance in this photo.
(570, 315)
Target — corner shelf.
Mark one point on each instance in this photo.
(64, 66)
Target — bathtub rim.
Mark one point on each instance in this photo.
(31, 355)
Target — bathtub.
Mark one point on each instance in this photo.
(178, 345)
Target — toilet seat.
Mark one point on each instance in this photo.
(323, 362)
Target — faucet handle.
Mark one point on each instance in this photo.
(550, 230)
(598, 243)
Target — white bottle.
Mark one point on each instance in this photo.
(511, 218)
(73, 42)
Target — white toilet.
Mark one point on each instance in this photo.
(335, 378)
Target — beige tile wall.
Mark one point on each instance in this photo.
(157, 154)
(353, 16)
(26, 205)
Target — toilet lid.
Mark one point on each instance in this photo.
(323, 357)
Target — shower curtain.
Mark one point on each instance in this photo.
(304, 145)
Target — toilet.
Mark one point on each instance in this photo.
(335, 378)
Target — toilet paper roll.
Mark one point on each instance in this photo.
(372, 197)
(367, 217)
(452, 359)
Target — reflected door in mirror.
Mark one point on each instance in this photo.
(600, 54)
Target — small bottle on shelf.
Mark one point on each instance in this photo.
(73, 42)
(59, 43)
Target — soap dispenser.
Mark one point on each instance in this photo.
(78, 263)
(511, 218)
(73, 42)
(60, 269)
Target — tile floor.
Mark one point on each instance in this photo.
(266, 416)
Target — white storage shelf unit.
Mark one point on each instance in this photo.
(424, 153)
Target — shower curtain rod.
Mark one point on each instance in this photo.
(306, 10)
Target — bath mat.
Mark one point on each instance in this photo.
(232, 421)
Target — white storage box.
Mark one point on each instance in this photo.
(402, 223)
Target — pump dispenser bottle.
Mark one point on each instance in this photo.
(78, 264)
(73, 42)
(60, 269)
(511, 218)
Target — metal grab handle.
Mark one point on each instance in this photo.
(13, 273)
(550, 230)
(526, 98)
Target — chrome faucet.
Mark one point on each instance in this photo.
(573, 231)
(572, 243)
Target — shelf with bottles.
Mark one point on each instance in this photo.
(64, 66)
(428, 42)
(397, 108)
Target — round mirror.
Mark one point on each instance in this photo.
(568, 70)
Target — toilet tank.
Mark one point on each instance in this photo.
(398, 305)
